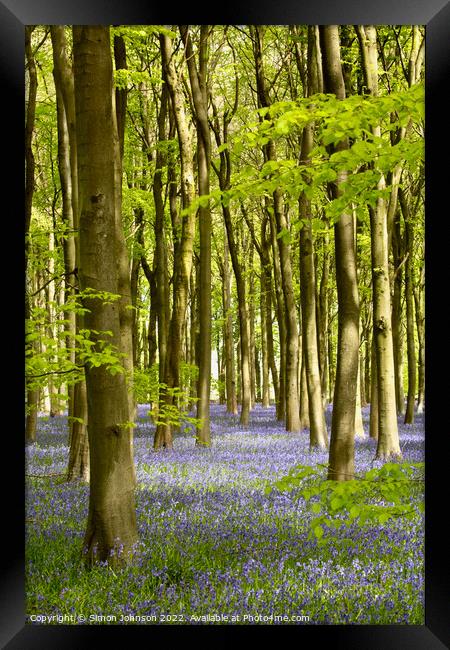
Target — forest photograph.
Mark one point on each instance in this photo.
(224, 324)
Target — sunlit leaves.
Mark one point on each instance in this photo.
(380, 495)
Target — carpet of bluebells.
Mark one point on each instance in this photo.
(212, 543)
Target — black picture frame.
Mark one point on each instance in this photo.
(435, 14)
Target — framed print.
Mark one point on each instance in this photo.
(221, 353)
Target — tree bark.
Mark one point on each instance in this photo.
(184, 249)
(224, 176)
(78, 465)
(230, 378)
(420, 324)
(197, 77)
(290, 315)
(388, 442)
(32, 392)
(374, 417)
(397, 337)
(317, 431)
(111, 528)
(409, 282)
(341, 458)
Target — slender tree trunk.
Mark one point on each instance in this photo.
(388, 442)
(409, 282)
(304, 399)
(160, 258)
(318, 431)
(199, 90)
(266, 279)
(194, 329)
(397, 337)
(362, 384)
(280, 310)
(420, 323)
(32, 392)
(374, 417)
(224, 175)
(367, 365)
(251, 324)
(341, 460)
(64, 168)
(111, 526)
(230, 377)
(323, 322)
(359, 428)
(78, 466)
(134, 278)
(290, 314)
(265, 394)
(184, 251)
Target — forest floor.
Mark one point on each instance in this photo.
(213, 542)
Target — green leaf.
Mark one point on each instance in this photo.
(318, 532)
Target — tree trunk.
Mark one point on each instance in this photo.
(160, 256)
(341, 459)
(317, 431)
(78, 467)
(266, 296)
(323, 322)
(280, 310)
(32, 393)
(251, 325)
(304, 399)
(230, 378)
(265, 385)
(359, 428)
(199, 90)
(290, 314)
(388, 442)
(184, 251)
(420, 323)
(224, 175)
(111, 527)
(374, 417)
(397, 337)
(64, 169)
(409, 282)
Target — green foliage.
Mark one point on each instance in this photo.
(47, 354)
(375, 498)
(174, 412)
(364, 162)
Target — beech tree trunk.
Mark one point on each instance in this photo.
(317, 427)
(197, 77)
(388, 442)
(341, 459)
(32, 393)
(374, 417)
(284, 249)
(230, 372)
(224, 176)
(397, 336)
(420, 323)
(409, 281)
(78, 465)
(184, 248)
(111, 527)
